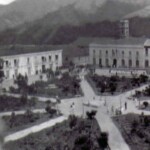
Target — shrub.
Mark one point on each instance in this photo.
(103, 140)
(24, 99)
(91, 115)
(72, 121)
(145, 104)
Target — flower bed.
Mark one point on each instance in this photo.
(73, 134)
(114, 84)
(135, 130)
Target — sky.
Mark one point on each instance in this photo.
(4, 2)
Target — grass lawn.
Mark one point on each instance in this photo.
(82, 134)
(135, 130)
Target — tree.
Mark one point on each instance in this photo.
(72, 121)
(91, 114)
(112, 87)
(22, 82)
(103, 140)
(24, 98)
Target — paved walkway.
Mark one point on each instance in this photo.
(21, 112)
(116, 141)
(34, 129)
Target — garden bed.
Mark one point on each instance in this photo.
(16, 123)
(135, 130)
(104, 85)
(66, 86)
(73, 134)
(10, 103)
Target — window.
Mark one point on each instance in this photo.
(123, 62)
(7, 64)
(107, 62)
(130, 53)
(28, 61)
(130, 63)
(146, 51)
(50, 58)
(15, 62)
(100, 62)
(56, 57)
(106, 53)
(137, 63)
(123, 54)
(43, 59)
(146, 63)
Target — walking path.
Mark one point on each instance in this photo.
(116, 141)
(34, 129)
(21, 112)
(75, 106)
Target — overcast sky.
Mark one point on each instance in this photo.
(5, 1)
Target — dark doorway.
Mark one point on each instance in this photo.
(114, 63)
(100, 62)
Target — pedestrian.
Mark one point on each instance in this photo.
(125, 104)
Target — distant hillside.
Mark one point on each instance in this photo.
(67, 24)
(23, 11)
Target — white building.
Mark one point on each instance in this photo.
(121, 53)
(29, 59)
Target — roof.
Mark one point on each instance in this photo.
(126, 41)
(8, 50)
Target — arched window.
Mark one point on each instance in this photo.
(123, 62)
(130, 63)
(146, 63)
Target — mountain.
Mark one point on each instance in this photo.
(22, 11)
(66, 24)
(145, 12)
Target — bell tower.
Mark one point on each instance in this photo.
(124, 28)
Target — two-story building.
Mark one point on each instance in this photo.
(29, 59)
(121, 53)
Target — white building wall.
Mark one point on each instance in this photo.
(107, 54)
(30, 64)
